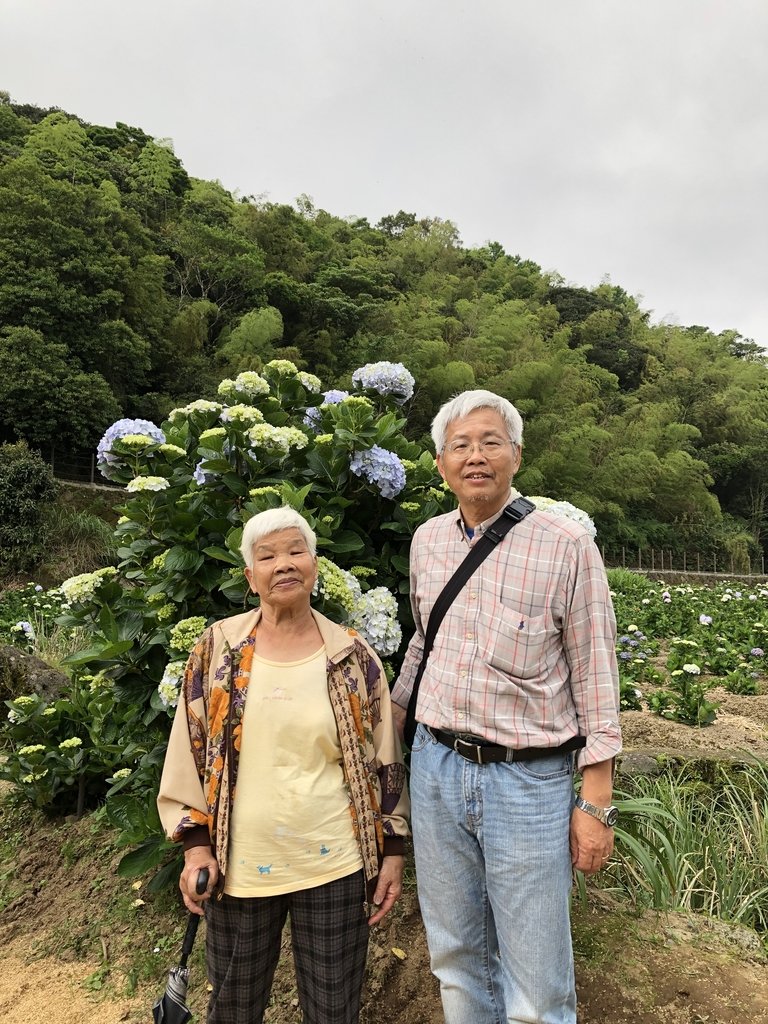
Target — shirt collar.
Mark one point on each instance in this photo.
(482, 527)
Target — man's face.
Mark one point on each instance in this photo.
(479, 481)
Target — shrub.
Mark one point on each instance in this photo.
(27, 487)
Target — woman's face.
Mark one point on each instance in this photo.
(282, 570)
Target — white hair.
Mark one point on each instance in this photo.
(465, 403)
(271, 521)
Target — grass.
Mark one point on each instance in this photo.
(79, 541)
(696, 846)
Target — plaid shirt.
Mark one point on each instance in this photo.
(525, 656)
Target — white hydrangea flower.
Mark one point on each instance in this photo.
(169, 685)
(375, 617)
(566, 510)
(147, 483)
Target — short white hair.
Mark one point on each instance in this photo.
(271, 521)
(465, 403)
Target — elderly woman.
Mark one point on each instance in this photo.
(284, 778)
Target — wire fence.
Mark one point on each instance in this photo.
(76, 468)
(662, 561)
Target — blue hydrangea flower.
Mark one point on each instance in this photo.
(106, 460)
(202, 476)
(381, 468)
(386, 378)
(312, 415)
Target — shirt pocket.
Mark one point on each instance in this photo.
(518, 644)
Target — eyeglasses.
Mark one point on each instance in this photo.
(491, 449)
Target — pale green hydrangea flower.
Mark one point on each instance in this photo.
(122, 773)
(324, 439)
(276, 439)
(259, 492)
(213, 433)
(172, 449)
(284, 367)
(135, 441)
(147, 483)
(337, 584)
(357, 401)
(309, 381)
(71, 744)
(186, 633)
(362, 572)
(410, 506)
(79, 589)
(166, 612)
(33, 748)
(243, 415)
(201, 405)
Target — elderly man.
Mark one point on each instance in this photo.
(522, 665)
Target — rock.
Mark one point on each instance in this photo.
(22, 673)
(638, 764)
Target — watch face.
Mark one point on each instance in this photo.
(612, 816)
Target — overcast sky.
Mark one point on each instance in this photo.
(626, 138)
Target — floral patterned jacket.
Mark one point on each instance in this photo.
(199, 779)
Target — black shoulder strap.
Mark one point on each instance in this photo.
(511, 516)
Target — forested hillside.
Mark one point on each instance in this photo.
(128, 287)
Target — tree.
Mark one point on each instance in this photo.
(44, 400)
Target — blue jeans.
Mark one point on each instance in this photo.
(493, 869)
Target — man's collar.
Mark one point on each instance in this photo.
(480, 529)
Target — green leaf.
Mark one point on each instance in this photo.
(235, 483)
(105, 652)
(222, 555)
(145, 857)
(181, 559)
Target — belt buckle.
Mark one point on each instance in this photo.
(477, 759)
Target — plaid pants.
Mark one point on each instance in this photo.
(329, 937)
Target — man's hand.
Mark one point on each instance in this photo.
(195, 858)
(591, 842)
(389, 887)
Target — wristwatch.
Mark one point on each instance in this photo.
(608, 815)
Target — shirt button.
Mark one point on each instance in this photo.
(460, 715)
(472, 596)
(469, 636)
(463, 674)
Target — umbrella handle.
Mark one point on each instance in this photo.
(194, 919)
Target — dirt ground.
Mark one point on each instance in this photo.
(69, 924)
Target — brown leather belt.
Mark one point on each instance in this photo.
(481, 752)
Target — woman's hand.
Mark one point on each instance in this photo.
(195, 858)
(389, 887)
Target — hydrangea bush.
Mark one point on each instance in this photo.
(272, 438)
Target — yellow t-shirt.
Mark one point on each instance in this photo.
(291, 825)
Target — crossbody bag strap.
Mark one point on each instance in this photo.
(511, 516)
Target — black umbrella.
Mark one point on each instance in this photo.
(171, 1007)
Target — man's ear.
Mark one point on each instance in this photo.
(441, 471)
